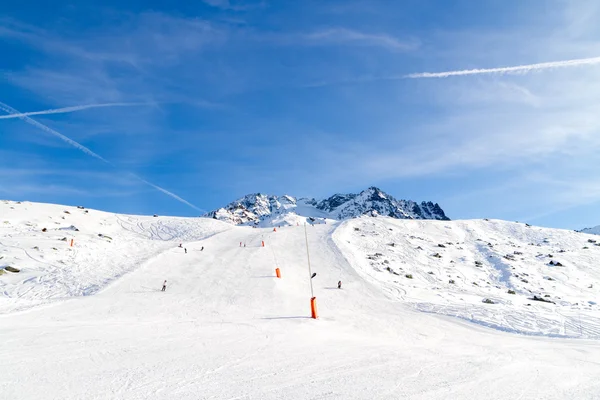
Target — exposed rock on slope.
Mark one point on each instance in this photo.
(267, 209)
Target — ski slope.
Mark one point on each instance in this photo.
(106, 246)
(226, 328)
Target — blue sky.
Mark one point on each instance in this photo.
(217, 99)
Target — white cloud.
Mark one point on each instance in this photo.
(233, 6)
(344, 35)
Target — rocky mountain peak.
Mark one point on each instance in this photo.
(257, 208)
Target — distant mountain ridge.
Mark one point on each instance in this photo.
(594, 231)
(262, 209)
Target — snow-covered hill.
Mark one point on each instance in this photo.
(227, 328)
(501, 274)
(267, 210)
(36, 239)
(592, 231)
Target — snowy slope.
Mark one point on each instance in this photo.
(226, 328)
(593, 231)
(267, 210)
(452, 267)
(105, 246)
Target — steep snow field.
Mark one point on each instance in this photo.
(226, 328)
(456, 265)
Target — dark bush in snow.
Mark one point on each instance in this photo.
(511, 291)
(536, 298)
(12, 269)
(488, 301)
(409, 276)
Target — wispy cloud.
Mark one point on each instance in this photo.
(70, 109)
(521, 69)
(344, 35)
(233, 6)
(89, 152)
(19, 190)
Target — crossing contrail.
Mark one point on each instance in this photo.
(12, 111)
(70, 109)
(523, 69)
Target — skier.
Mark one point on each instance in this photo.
(202, 249)
(339, 284)
(179, 244)
(164, 286)
(185, 251)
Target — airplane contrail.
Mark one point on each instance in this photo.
(508, 70)
(12, 111)
(70, 109)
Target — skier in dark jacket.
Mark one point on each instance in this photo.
(164, 286)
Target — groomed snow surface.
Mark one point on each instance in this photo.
(90, 322)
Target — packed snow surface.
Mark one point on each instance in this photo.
(97, 326)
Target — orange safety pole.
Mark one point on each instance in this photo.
(313, 308)
(71, 242)
(278, 272)
(274, 229)
(263, 243)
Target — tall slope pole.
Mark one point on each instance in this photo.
(313, 299)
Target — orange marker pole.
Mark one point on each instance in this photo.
(313, 308)
(263, 243)
(71, 242)
(278, 272)
(274, 229)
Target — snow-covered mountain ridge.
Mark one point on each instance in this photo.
(266, 210)
(592, 231)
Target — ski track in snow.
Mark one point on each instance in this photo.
(226, 328)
